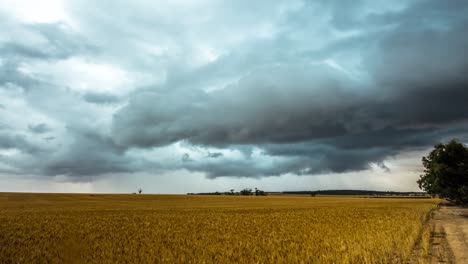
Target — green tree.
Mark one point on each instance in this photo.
(446, 172)
(246, 191)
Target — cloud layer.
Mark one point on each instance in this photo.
(237, 89)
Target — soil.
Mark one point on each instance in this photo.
(449, 239)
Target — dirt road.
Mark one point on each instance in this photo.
(450, 236)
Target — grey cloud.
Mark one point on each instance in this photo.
(214, 155)
(101, 98)
(57, 42)
(42, 42)
(383, 166)
(90, 154)
(3, 126)
(9, 140)
(12, 78)
(186, 158)
(80, 152)
(39, 128)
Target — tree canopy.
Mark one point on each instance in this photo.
(446, 172)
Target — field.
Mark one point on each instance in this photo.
(64, 228)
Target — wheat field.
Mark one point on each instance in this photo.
(87, 228)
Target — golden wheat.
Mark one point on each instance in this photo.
(58, 228)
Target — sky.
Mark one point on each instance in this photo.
(206, 95)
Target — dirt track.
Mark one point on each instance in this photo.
(450, 236)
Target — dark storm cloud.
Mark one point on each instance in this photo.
(320, 159)
(90, 154)
(260, 108)
(318, 118)
(313, 158)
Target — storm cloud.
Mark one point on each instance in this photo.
(237, 89)
(321, 116)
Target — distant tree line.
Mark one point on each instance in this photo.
(243, 192)
(355, 192)
(258, 192)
